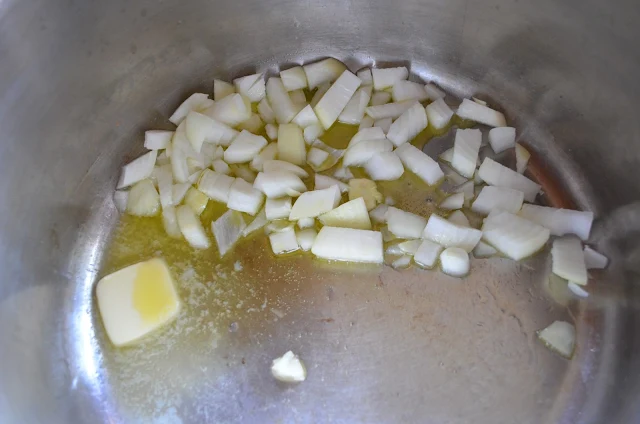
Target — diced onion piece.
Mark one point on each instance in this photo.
(402, 262)
(316, 157)
(165, 184)
(594, 259)
(394, 250)
(427, 254)
(196, 199)
(281, 165)
(559, 221)
(577, 290)
(306, 223)
(143, 199)
(272, 131)
(221, 167)
(459, 218)
(380, 98)
(254, 124)
(323, 181)
(284, 241)
(222, 89)
(215, 185)
(481, 114)
(163, 159)
(365, 76)
(191, 227)
(138, 170)
(559, 337)
(170, 222)
(251, 86)
(502, 138)
(452, 176)
(367, 189)
(447, 155)
(195, 177)
(267, 154)
(467, 189)
(483, 250)
(452, 202)
(178, 191)
(480, 102)
(280, 102)
(244, 198)
(367, 122)
(405, 224)
(244, 147)
(455, 262)
(354, 111)
(512, 235)
(319, 94)
(360, 153)
(306, 238)
(201, 128)
(439, 114)
(384, 124)
(408, 90)
(278, 226)
(383, 78)
(448, 234)
(433, 92)
(498, 175)
(491, 198)
(197, 101)
(312, 132)
(266, 112)
(343, 174)
(259, 221)
(294, 78)
(420, 164)
(352, 214)
(372, 133)
(379, 213)
(568, 260)
(336, 98)
(306, 117)
(384, 166)
(389, 110)
(288, 368)
(277, 208)
(298, 98)
(227, 230)
(231, 110)
(323, 71)
(291, 146)
(156, 139)
(408, 125)
(465, 151)
(348, 244)
(314, 203)
(410, 247)
(522, 158)
(278, 183)
(120, 198)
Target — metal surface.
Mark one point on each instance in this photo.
(80, 81)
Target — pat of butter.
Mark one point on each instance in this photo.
(137, 300)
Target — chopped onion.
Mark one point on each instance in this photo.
(120, 198)
(156, 139)
(559, 337)
(452, 202)
(459, 218)
(165, 185)
(336, 98)
(367, 122)
(408, 90)
(281, 165)
(314, 203)
(420, 164)
(559, 221)
(410, 247)
(266, 112)
(259, 221)
(467, 189)
(352, 214)
(278, 183)
(522, 158)
(294, 78)
(372, 133)
(306, 117)
(221, 167)
(196, 101)
(448, 234)
(465, 151)
(306, 238)
(254, 124)
(244, 198)
(439, 114)
(288, 368)
(389, 110)
(577, 290)
(348, 244)
(512, 235)
(568, 260)
(452, 176)
(383, 78)
(163, 159)
(138, 170)
(360, 153)
(455, 262)
(319, 94)
(367, 189)
(384, 166)
(354, 111)
(491, 198)
(394, 250)
(594, 259)
(195, 177)
(408, 125)
(231, 110)
(244, 147)
(222, 89)
(427, 254)
(272, 131)
(284, 241)
(483, 250)
(170, 222)
(143, 199)
(306, 223)
(316, 157)
(252, 87)
(384, 124)
(196, 199)
(215, 185)
(498, 175)
(191, 227)
(280, 101)
(323, 181)
(433, 92)
(267, 154)
(379, 213)
(365, 76)
(291, 146)
(480, 113)
(502, 138)
(323, 71)
(343, 174)
(278, 226)
(227, 230)
(380, 98)
(447, 155)
(178, 191)
(402, 262)
(202, 128)
(277, 208)
(298, 98)
(312, 132)
(405, 224)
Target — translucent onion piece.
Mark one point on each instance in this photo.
(323, 71)
(448, 234)
(178, 191)
(354, 111)
(522, 158)
(294, 78)
(277, 208)
(284, 241)
(306, 238)
(316, 157)
(384, 124)
(227, 230)
(502, 138)
(259, 221)
(191, 227)
(447, 155)
(244, 147)
(266, 112)
(231, 110)
(279, 183)
(559, 337)
(254, 124)
(383, 78)
(389, 110)
(439, 114)
(408, 125)
(455, 262)
(512, 235)
(372, 133)
(170, 222)
(498, 175)
(568, 260)
(138, 170)
(366, 122)
(343, 174)
(408, 90)
(427, 254)
(559, 221)
(352, 214)
(363, 151)
(410, 247)
(215, 185)
(481, 114)
(379, 213)
(267, 154)
(336, 98)
(244, 198)
(143, 199)
(348, 244)
(402, 262)
(322, 89)
(120, 198)
(434, 92)
(420, 164)
(306, 117)
(323, 181)
(459, 218)
(280, 101)
(593, 259)
(314, 203)
(306, 223)
(405, 224)
(222, 89)
(384, 166)
(452, 202)
(197, 101)
(272, 131)
(291, 145)
(380, 98)
(365, 76)
(465, 151)
(281, 165)
(312, 132)
(165, 185)
(197, 200)
(221, 167)
(367, 189)
(491, 198)
(156, 139)
(251, 86)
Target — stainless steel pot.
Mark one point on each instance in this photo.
(80, 81)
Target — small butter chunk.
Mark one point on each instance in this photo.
(137, 300)
(289, 368)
